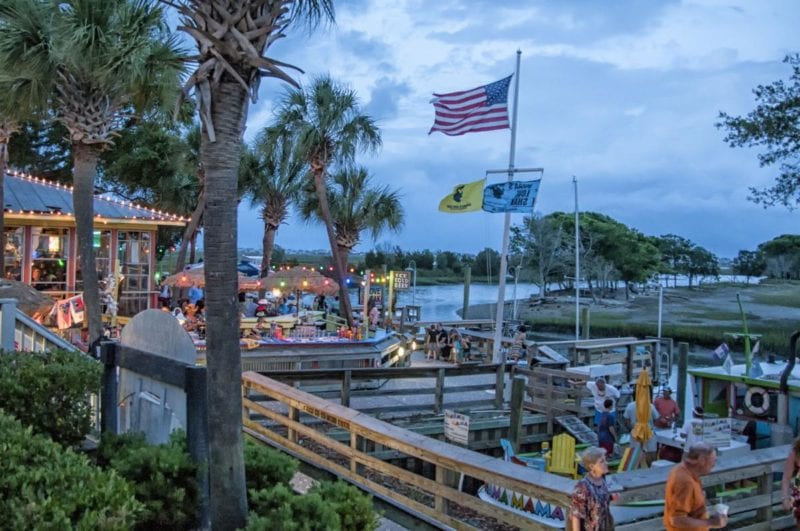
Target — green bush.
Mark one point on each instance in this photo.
(46, 486)
(265, 466)
(279, 509)
(163, 476)
(50, 392)
(353, 507)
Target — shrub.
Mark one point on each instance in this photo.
(46, 486)
(163, 476)
(279, 509)
(265, 466)
(353, 507)
(50, 392)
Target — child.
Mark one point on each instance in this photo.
(606, 430)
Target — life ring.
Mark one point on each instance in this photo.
(757, 400)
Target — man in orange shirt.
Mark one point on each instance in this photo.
(685, 505)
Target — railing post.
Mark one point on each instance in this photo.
(438, 398)
(8, 324)
(110, 388)
(499, 385)
(354, 447)
(347, 379)
(293, 414)
(764, 514)
(197, 433)
(515, 420)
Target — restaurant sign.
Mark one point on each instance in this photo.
(402, 279)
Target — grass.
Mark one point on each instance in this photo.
(790, 298)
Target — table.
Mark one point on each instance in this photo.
(668, 438)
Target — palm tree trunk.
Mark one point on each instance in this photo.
(3, 166)
(83, 205)
(228, 497)
(191, 228)
(267, 243)
(344, 297)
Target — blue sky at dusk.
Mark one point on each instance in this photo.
(623, 95)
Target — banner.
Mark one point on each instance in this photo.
(464, 198)
(514, 196)
(721, 352)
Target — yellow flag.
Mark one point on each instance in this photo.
(464, 198)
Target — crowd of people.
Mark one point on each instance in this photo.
(444, 345)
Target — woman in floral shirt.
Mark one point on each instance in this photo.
(590, 509)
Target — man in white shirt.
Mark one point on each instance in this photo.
(600, 391)
(651, 445)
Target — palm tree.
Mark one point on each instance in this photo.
(356, 205)
(93, 62)
(272, 176)
(328, 127)
(232, 37)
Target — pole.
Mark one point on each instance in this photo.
(501, 288)
(577, 264)
(467, 282)
(365, 308)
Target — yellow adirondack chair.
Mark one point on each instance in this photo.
(561, 459)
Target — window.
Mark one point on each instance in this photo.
(133, 253)
(102, 258)
(15, 238)
(49, 256)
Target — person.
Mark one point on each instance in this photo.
(447, 346)
(283, 308)
(165, 295)
(190, 313)
(693, 431)
(600, 391)
(685, 501)
(790, 484)
(195, 294)
(374, 315)
(441, 341)
(455, 345)
(518, 343)
(651, 445)
(606, 428)
(261, 309)
(333, 306)
(590, 508)
(668, 409)
(430, 342)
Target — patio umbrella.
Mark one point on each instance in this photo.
(301, 279)
(642, 431)
(197, 276)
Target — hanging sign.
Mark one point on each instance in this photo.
(402, 279)
(456, 427)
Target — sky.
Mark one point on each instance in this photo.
(621, 95)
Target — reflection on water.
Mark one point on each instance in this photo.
(442, 302)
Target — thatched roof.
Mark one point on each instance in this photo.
(29, 300)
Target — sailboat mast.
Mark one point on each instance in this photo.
(501, 288)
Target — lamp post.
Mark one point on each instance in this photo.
(412, 266)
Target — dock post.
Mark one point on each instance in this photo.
(499, 383)
(515, 420)
(438, 398)
(110, 389)
(347, 379)
(585, 320)
(683, 367)
(467, 281)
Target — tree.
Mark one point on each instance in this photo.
(675, 252)
(782, 255)
(701, 262)
(232, 38)
(356, 205)
(775, 125)
(272, 177)
(749, 264)
(487, 263)
(541, 240)
(94, 63)
(328, 127)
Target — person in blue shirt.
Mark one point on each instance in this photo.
(283, 308)
(606, 427)
(195, 294)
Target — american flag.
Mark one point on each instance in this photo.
(470, 111)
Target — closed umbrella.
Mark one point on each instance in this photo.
(642, 431)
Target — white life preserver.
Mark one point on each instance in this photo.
(748, 400)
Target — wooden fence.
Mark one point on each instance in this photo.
(439, 499)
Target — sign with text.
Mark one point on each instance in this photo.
(402, 279)
(456, 427)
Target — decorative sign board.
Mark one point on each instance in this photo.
(713, 431)
(402, 279)
(456, 427)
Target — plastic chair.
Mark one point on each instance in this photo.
(561, 459)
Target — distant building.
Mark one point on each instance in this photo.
(41, 243)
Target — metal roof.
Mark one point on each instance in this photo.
(38, 196)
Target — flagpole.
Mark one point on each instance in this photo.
(501, 288)
(577, 264)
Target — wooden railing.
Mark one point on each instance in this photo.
(437, 496)
(438, 499)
